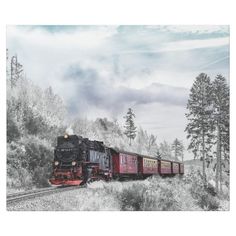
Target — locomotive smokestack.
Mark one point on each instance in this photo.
(69, 131)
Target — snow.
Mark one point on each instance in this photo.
(153, 194)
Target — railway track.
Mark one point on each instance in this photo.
(22, 196)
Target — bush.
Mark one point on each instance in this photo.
(39, 155)
(205, 195)
(167, 200)
(13, 132)
(132, 198)
(157, 194)
(168, 194)
(19, 179)
(29, 163)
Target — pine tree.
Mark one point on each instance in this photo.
(178, 149)
(221, 122)
(130, 129)
(158, 154)
(200, 118)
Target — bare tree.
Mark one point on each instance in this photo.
(178, 149)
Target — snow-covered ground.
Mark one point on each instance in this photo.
(153, 194)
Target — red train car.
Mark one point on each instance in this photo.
(164, 167)
(175, 168)
(181, 168)
(124, 163)
(148, 165)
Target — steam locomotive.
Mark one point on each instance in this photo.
(78, 160)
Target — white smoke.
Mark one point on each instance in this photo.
(69, 131)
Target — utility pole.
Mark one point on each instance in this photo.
(16, 70)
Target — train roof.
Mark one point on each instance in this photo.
(170, 160)
(116, 150)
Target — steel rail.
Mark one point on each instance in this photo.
(22, 196)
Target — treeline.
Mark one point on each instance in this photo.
(113, 135)
(34, 118)
(208, 127)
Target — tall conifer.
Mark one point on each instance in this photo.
(200, 116)
(130, 129)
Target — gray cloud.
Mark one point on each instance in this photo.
(93, 91)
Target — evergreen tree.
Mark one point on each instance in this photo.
(178, 149)
(158, 154)
(221, 122)
(130, 129)
(200, 116)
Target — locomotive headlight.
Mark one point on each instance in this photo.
(56, 163)
(73, 163)
(66, 136)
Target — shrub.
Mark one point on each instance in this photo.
(205, 195)
(132, 198)
(156, 194)
(29, 163)
(167, 200)
(39, 156)
(13, 132)
(18, 178)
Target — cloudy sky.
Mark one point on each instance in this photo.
(100, 71)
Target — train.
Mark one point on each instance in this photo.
(78, 161)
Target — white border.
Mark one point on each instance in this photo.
(115, 12)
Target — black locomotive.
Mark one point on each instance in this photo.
(78, 160)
